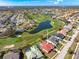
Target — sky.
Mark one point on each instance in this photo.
(39, 2)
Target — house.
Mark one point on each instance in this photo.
(19, 31)
(68, 27)
(28, 25)
(53, 40)
(66, 21)
(45, 46)
(33, 53)
(63, 31)
(2, 25)
(12, 55)
(61, 36)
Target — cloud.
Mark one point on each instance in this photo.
(4, 4)
(58, 2)
(29, 2)
(12, 2)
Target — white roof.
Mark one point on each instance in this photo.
(69, 27)
(33, 52)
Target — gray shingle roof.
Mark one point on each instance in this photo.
(53, 40)
(59, 35)
(11, 55)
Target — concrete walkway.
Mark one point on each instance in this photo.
(65, 40)
(9, 46)
(61, 43)
(64, 51)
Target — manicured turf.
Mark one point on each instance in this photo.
(25, 39)
(30, 39)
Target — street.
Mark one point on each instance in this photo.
(63, 52)
(77, 54)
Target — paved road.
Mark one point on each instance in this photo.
(76, 15)
(77, 54)
(63, 52)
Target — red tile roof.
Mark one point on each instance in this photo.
(46, 47)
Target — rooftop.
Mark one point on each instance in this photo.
(46, 47)
(33, 52)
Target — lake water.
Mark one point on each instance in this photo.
(42, 26)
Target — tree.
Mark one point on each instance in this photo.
(71, 51)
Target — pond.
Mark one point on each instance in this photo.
(42, 26)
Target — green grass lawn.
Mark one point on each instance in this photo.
(63, 42)
(58, 46)
(38, 18)
(67, 38)
(70, 33)
(26, 39)
(30, 39)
